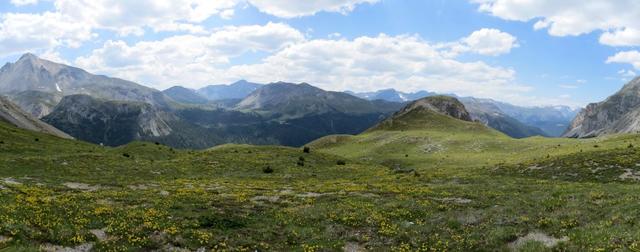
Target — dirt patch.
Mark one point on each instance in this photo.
(57, 248)
(100, 234)
(11, 181)
(534, 168)
(454, 200)
(263, 198)
(138, 187)
(310, 195)
(353, 247)
(81, 186)
(629, 174)
(546, 240)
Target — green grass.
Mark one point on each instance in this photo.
(455, 187)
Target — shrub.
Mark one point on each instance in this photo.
(157, 143)
(267, 169)
(37, 139)
(301, 158)
(306, 149)
(300, 163)
(630, 146)
(341, 162)
(126, 155)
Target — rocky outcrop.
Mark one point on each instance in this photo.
(12, 114)
(109, 122)
(620, 113)
(444, 105)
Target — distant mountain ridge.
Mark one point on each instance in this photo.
(619, 113)
(185, 95)
(112, 111)
(53, 80)
(291, 100)
(237, 90)
(515, 121)
(392, 95)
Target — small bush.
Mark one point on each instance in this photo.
(301, 158)
(596, 146)
(157, 143)
(126, 155)
(37, 139)
(630, 146)
(1, 142)
(341, 162)
(267, 169)
(306, 149)
(300, 163)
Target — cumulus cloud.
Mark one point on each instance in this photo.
(406, 62)
(619, 20)
(490, 42)
(371, 63)
(23, 32)
(132, 17)
(297, 8)
(629, 57)
(187, 59)
(73, 22)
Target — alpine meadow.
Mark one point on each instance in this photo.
(319, 125)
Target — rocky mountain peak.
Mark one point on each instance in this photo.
(619, 113)
(440, 104)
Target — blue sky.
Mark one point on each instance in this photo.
(524, 52)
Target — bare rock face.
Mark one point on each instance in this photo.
(11, 113)
(444, 105)
(620, 113)
(109, 122)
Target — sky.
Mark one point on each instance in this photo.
(526, 52)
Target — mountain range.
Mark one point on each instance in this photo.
(515, 121)
(113, 111)
(37, 85)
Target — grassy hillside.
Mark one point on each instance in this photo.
(509, 193)
(409, 189)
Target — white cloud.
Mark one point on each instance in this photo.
(187, 59)
(618, 19)
(490, 42)
(23, 2)
(406, 62)
(132, 17)
(629, 57)
(298, 8)
(627, 73)
(25, 32)
(370, 63)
